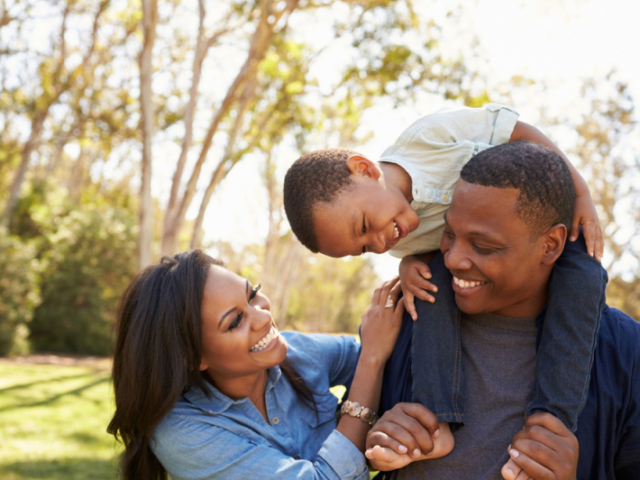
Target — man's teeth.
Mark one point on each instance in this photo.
(466, 284)
(264, 341)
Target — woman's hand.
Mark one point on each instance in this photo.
(381, 322)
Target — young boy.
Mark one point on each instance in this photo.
(340, 203)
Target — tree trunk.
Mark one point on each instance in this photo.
(145, 236)
(259, 45)
(16, 185)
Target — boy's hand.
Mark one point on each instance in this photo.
(585, 214)
(545, 449)
(413, 278)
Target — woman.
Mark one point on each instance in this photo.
(206, 387)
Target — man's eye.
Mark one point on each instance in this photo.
(483, 251)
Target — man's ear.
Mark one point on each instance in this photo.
(553, 244)
(363, 167)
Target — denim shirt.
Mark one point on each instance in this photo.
(219, 438)
(609, 426)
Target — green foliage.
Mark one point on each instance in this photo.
(18, 292)
(90, 261)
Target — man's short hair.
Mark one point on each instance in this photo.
(317, 177)
(547, 194)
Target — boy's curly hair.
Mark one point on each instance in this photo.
(317, 177)
(547, 194)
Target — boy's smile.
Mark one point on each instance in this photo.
(367, 217)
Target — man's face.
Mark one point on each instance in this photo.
(367, 217)
(487, 248)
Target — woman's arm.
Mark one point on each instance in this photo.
(585, 211)
(380, 326)
(208, 452)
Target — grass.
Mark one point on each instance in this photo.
(53, 423)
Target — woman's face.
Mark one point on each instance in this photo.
(238, 334)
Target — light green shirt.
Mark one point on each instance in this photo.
(433, 151)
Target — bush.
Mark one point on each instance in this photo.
(18, 292)
(90, 261)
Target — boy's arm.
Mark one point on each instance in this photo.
(585, 211)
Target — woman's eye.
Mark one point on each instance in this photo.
(236, 322)
(254, 292)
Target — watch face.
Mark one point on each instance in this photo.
(366, 415)
(354, 409)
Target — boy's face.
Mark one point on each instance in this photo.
(487, 248)
(370, 216)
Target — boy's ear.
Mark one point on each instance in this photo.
(554, 241)
(363, 167)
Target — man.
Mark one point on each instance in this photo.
(506, 227)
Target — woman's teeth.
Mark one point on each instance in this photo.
(264, 341)
(466, 284)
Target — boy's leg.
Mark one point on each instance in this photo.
(569, 334)
(438, 381)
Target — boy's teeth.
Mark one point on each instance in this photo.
(396, 231)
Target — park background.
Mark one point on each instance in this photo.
(133, 130)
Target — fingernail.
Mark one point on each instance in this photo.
(436, 434)
(402, 449)
(513, 474)
(367, 452)
(435, 289)
(514, 453)
(572, 239)
(416, 452)
(432, 299)
(509, 447)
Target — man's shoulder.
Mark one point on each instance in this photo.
(620, 331)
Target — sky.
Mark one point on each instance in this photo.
(559, 43)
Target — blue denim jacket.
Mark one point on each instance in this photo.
(219, 438)
(609, 426)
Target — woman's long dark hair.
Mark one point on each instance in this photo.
(158, 354)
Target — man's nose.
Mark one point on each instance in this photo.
(456, 258)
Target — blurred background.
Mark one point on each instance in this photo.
(133, 130)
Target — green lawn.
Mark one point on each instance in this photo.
(53, 423)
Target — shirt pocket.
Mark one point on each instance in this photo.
(327, 408)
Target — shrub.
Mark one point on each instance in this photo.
(90, 261)
(18, 292)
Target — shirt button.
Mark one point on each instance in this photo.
(445, 198)
(275, 420)
(414, 205)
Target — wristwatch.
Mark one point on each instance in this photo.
(354, 409)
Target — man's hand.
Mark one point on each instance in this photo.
(544, 449)
(414, 275)
(406, 433)
(585, 214)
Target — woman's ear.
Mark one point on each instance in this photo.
(363, 167)
(203, 365)
(554, 241)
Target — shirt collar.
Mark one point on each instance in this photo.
(217, 402)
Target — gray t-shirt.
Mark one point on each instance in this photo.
(499, 361)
